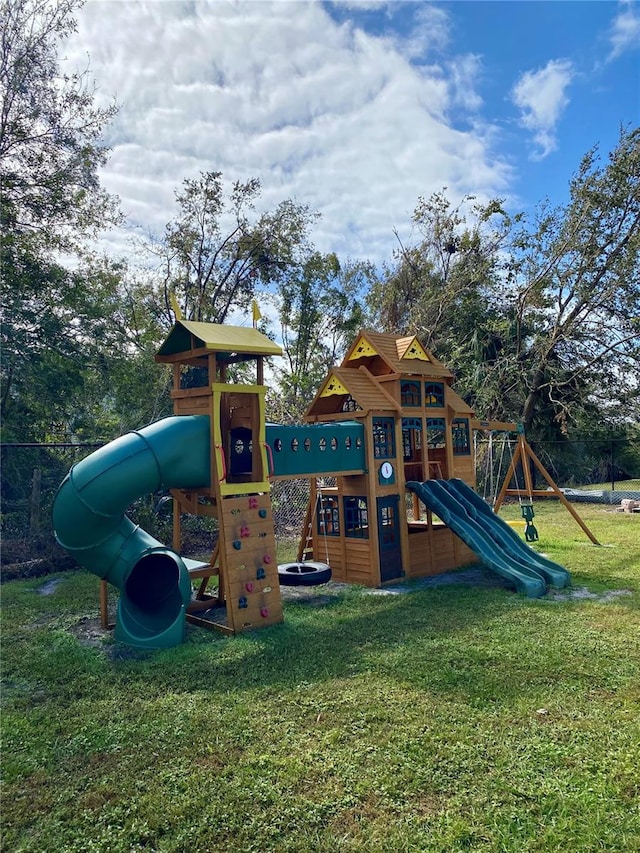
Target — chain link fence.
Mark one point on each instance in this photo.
(599, 471)
(590, 470)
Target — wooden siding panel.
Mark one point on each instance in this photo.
(358, 559)
(437, 551)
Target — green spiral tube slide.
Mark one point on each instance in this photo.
(90, 523)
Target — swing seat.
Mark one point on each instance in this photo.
(527, 512)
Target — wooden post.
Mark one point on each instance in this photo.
(176, 542)
(528, 482)
(104, 604)
(557, 491)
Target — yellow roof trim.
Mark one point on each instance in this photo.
(333, 388)
(362, 349)
(416, 350)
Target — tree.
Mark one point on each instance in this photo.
(50, 129)
(320, 310)
(217, 250)
(55, 318)
(539, 320)
(448, 288)
(575, 303)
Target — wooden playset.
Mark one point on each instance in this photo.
(386, 415)
(383, 425)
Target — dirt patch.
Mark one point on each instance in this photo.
(581, 593)
(322, 595)
(90, 634)
(49, 587)
(473, 576)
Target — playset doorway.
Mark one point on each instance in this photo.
(389, 521)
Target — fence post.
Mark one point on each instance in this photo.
(35, 503)
(613, 468)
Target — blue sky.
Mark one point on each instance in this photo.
(357, 108)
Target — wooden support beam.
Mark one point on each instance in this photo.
(494, 426)
(557, 491)
(104, 604)
(524, 453)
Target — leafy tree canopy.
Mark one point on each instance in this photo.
(57, 325)
(320, 308)
(50, 129)
(539, 319)
(218, 249)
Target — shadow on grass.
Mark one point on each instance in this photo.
(443, 636)
(424, 640)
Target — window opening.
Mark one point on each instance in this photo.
(436, 432)
(387, 533)
(434, 394)
(410, 394)
(460, 437)
(328, 516)
(350, 405)
(411, 438)
(384, 446)
(356, 518)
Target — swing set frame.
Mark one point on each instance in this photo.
(525, 455)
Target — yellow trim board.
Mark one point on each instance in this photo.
(362, 349)
(416, 350)
(333, 388)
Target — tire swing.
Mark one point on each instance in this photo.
(307, 572)
(304, 574)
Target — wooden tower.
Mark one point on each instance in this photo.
(203, 356)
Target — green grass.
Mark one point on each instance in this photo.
(447, 719)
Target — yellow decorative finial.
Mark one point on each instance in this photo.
(175, 306)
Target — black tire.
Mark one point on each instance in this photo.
(304, 574)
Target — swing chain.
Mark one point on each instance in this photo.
(530, 533)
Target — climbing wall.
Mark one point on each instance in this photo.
(249, 568)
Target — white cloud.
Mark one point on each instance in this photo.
(320, 111)
(625, 30)
(431, 31)
(541, 97)
(463, 74)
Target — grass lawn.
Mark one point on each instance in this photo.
(450, 718)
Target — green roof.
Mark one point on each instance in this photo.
(234, 340)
